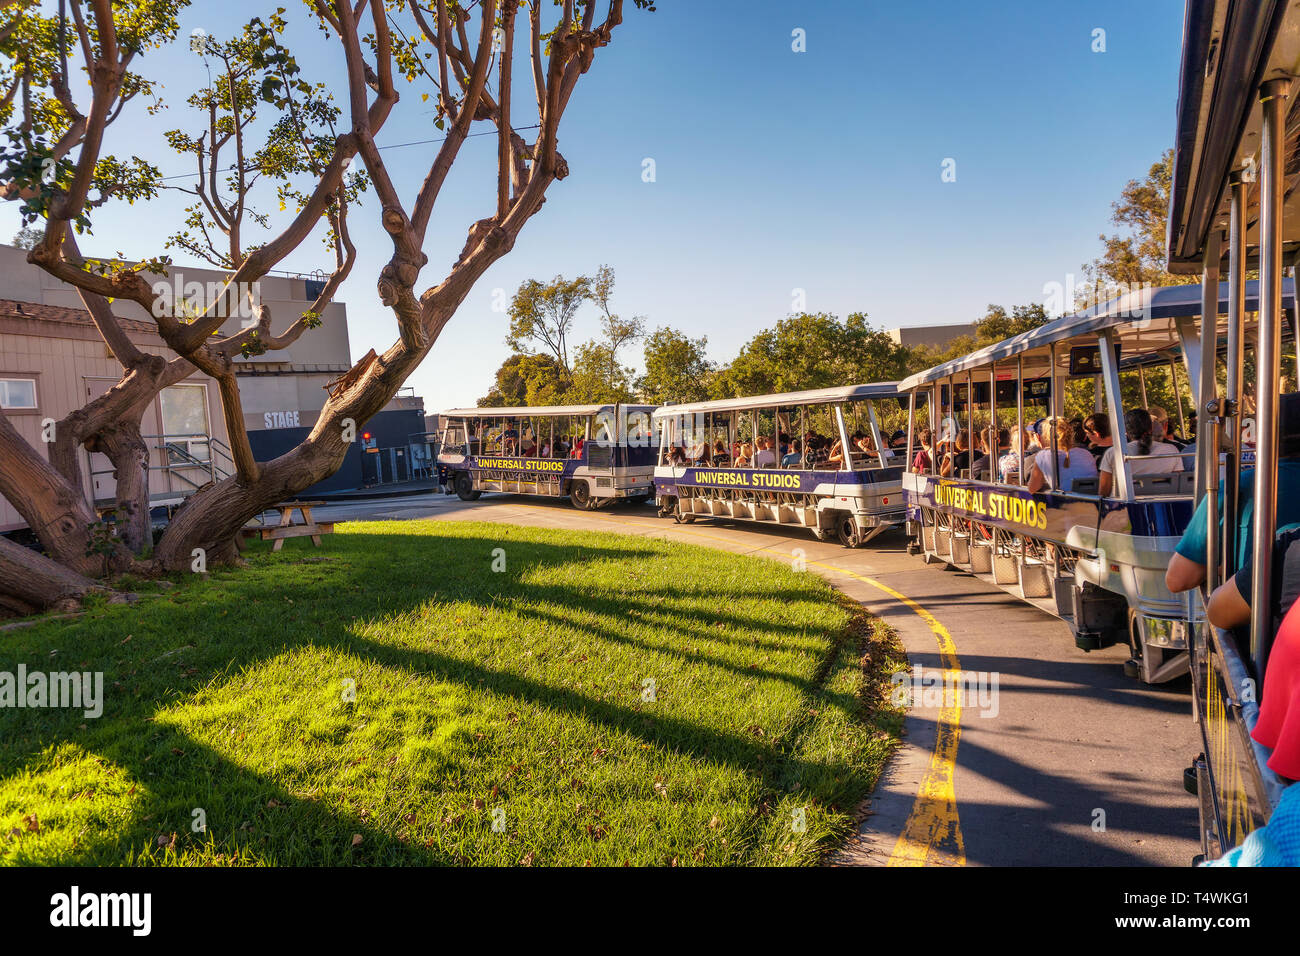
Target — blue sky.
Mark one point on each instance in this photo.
(775, 170)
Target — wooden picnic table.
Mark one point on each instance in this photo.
(288, 528)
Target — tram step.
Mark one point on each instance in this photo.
(1035, 580)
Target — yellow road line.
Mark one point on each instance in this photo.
(932, 833)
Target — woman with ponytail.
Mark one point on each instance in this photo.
(1071, 463)
(1153, 457)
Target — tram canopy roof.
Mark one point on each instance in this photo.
(1137, 329)
(1229, 49)
(816, 396)
(537, 410)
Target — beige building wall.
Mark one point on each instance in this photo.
(937, 336)
(63, 354)
(287, 385)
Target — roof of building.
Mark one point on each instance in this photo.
(39, 312)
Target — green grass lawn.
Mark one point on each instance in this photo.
(500, 717)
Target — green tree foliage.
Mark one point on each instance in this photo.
(813, 351)
(677, 368)
(542, 313)
(598, 376)
(1136, 256)
(525, 379)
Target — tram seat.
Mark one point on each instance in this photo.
(1157, 486)
(1187, 482)
(1084, 486)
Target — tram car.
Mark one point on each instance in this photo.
(1001, 486)
(1231, 210)
(594, 455)
(828, 460)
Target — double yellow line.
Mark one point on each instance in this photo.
(932, 833)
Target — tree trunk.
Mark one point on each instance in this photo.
(31, 582)
(54, 509)
(213, 516)
(126, 449)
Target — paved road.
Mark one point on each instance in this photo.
(1069, 763)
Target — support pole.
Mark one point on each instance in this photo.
(1207, 448)
(1273, 97)
(1234, 392)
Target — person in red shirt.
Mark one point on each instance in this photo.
(1278, 726)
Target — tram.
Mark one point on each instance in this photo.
(593, 454)
(1038, 514)
(1233, 178)
(828, 460)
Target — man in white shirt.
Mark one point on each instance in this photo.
(765, 457)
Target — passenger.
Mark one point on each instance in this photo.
(1162, 429)
(1187, 566)
(1097, 430)
(794, 458)
(835, 456)
(578, 444)
(745, 458)
(1139, 429)
(765, 457)
(1035, 440)
(720, 456)
(957, 461)
(1229, 605)
(1073, 463)
(1278, 726)
(924, 459)
(1080, 436)
(677, 456)
(1013, 464)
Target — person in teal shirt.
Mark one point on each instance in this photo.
(1187, 567)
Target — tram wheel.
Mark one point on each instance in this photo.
(465, 487)
(580, 496)
(846, 529)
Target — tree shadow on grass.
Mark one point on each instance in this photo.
(209, 635)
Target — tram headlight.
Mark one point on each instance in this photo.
(1163, 632)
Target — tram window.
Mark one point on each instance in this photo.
(638, 429)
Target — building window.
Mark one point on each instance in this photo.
(17, 393)
(185, 420)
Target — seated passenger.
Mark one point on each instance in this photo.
(745, 458)
(1162, 429)
(958, 460)
(1141, 441)
(795, 457)
(578, 444)
(720, 456)
(1071, 462)
(765, 457)
(1187, 566)
(1015, 464)
(1229, 605)
(835, 457)
(677, 456)
(1097, 429)
(1278, 726)
(924, 459)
